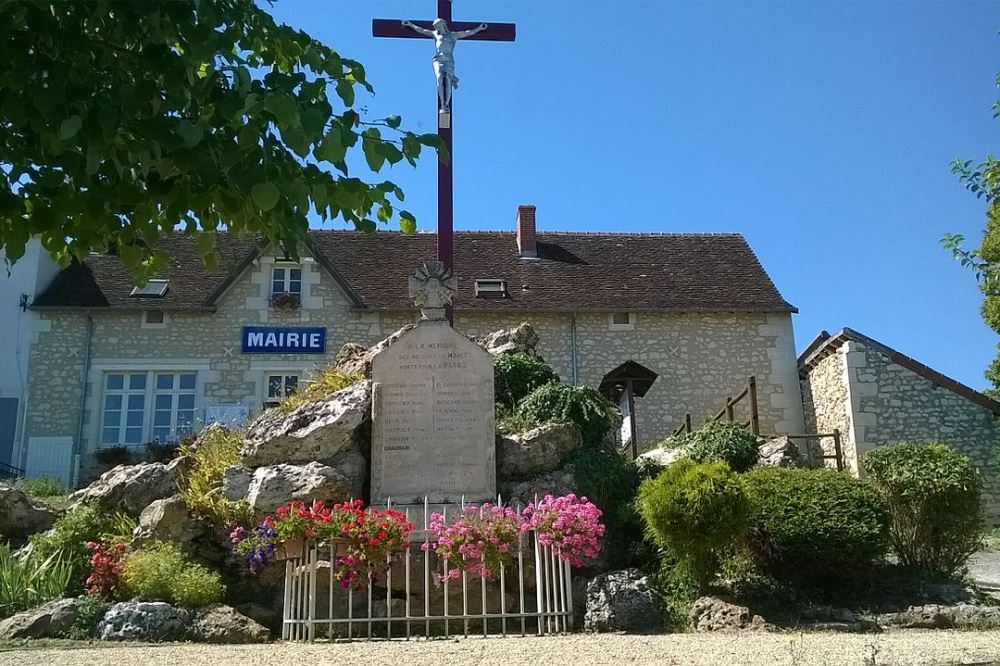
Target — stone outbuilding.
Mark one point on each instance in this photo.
(874, 396)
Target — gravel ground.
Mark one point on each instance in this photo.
(766, 649)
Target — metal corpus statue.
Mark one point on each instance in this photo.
(444, 55)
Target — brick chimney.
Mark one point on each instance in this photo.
(526, 231)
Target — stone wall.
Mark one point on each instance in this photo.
(826, 408)
(701, 358)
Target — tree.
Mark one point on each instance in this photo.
(121, 121)
(983, 180)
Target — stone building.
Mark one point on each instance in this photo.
(114, 365)
(874, 395)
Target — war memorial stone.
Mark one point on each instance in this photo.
(433, 425)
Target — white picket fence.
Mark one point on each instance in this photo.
(533, 595)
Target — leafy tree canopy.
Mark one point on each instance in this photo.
(983, 180)
(121, 121)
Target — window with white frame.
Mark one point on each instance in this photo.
(286, 280)
(141, 407)
(280, 385)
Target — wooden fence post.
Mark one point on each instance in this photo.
(754, 414)
(837, 451)
(729, 409)
(687, 422)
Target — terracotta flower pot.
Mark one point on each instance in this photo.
(289, 550)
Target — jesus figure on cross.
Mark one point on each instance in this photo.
(444, 55)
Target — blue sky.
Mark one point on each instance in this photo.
(821, 131)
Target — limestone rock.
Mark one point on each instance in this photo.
(354, 359)
(49, 620)
(170, 520)
(712, 614)
(661, 457)
(314, 431)
(22, 516)
(521, 338)
(143, 621)
(130, 488)
(223, 624)
(940, 616)
(622, 601)
(236, 482)
(780, 452)
(555, 483)
(537, 451)
(275, 485)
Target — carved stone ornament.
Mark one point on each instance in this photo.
(432, 287)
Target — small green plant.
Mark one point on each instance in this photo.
(729, 442)
(814, 525)
(161, 572)
(933, 496)
(517, 375)
(694, 511)
(42, 487)
(582, 405)
(68, 538)
(200, 485)
(328, 381)
(90, 612)
(29, 580)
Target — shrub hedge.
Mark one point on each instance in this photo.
(161, 572)
(694, 510)
(933, 496)
(814, 524)
(729, 442)
(517, 375)
(582, 405)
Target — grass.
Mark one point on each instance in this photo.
(27, 581)
(201, 485)
(328, 381)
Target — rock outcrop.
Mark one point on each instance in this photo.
(275, 485)
(314, 432)
(780, 452)
(223, 624)
(21, 516)
(355, 359)
(622, 601)
(143, 621)
(940, 616)
(521, 338)
(130, 488)
(170, 520)
(556, 483)
(536, 452)
(661, 457)
(50, 620)
(713, 614)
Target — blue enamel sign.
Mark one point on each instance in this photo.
(274, 340)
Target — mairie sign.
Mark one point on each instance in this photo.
(274, 340)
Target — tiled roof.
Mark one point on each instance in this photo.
(573, 272)
(825, 344)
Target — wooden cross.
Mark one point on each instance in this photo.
(496, 32)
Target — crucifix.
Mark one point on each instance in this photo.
(445, 34)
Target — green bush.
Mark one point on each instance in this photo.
(90, 612)
(29, 580)
(517, 375)
(729, 442)
(933, 496)
(215, 449)
(69, 536)
(42, 487)
(328, 382)
(694, 511)
(582, 405)
(814, 525)
(161, 572)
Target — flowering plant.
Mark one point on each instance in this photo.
(480, 541)
(285, 301)
(570, 524)
(107, 562)
(256, 546)
(296, 520)
(373, 539)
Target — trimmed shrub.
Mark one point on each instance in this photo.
(814, 524)
(729, 442)
(933, 496)
(582, 405)
(161, 572)
(68, 538)
(517, 375)
(695, 510)
(215, 449)
(26, 582)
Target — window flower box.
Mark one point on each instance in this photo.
(286, 302)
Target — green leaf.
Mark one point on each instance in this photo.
(331, 149)
(192, 133)
(407, 223)
(393, 121)
(70, 127)
(372, 146)
(265, 195)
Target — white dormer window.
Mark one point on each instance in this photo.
(621, 321)
(153, 289)
(491, 288)
(286, 280)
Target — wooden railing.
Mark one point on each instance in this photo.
(728, 412)
(838, 453)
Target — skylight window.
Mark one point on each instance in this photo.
(153, 289)
(491, 288)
